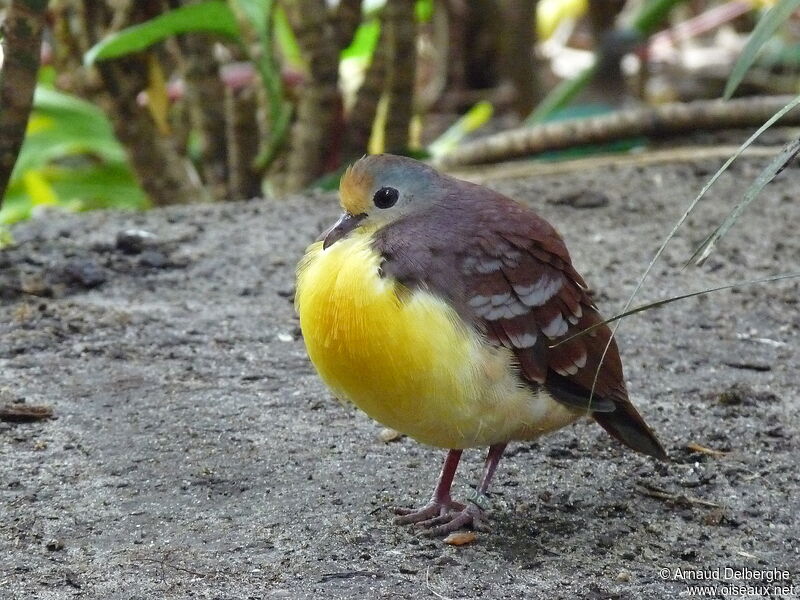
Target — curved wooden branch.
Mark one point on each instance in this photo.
(658, 121)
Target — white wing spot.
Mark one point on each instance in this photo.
(500, 299)
(526, 340)
(488, 265)
(538, 293)
(555, 328)
(565, 371)
(518, 308)
(499, 312)
(478, 301)
(509, 310)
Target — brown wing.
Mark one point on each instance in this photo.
(508, 271)
(527, 296)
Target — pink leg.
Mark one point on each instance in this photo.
(440, 503)
(452, 516)
(490, 466)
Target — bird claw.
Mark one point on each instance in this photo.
(471, 516)
(440, 519)
(432, 510)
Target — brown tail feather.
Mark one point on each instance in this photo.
(627, 425)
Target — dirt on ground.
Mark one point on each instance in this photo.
(194, 453)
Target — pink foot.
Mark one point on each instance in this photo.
(471, 516)
(440, 519)
(433, 509)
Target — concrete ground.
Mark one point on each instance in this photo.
(195, 454)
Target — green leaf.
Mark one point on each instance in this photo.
(364, 41)
(47, 98)
(85, 187)
(71, 159)
(423, 10)
(6, 239)
(775, 166)
(652, 13)
(97, 186)
(475, 117)
(213, 16)
(286, 40)
(47, 75)
(560, 96)
(257, 13)
(767, 25)
(62, 125)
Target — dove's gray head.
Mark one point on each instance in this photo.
(379, 189)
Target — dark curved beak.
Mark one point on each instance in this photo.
(341, 228)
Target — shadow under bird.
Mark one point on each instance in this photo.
(433, 304)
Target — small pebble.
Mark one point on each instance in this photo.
(35, 285)
(134, 241)
(387, 435)
(623, 576)
(85, 273)
(153, 258)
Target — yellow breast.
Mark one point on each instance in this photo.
(407, 359)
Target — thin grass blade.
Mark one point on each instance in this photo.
(670, 300)
(775, 166)
(683, 218)
(767, 25)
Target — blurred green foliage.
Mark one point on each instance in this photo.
(364, 40)
(70, 159)
(213, 17)
(766, 28)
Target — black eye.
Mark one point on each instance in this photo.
(385, 197)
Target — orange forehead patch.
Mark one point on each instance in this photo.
(354, 190)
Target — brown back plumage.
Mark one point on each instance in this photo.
(508, 273)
